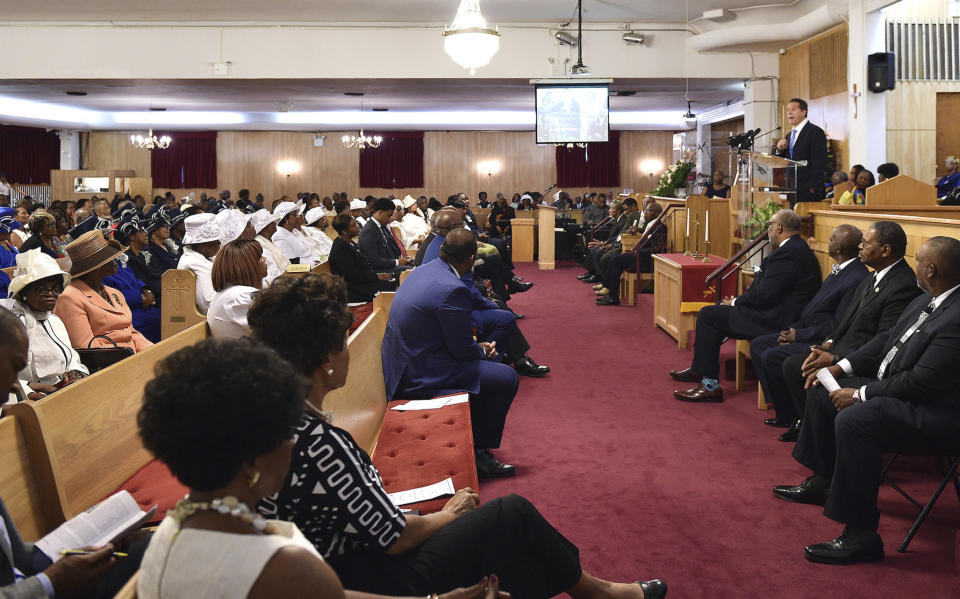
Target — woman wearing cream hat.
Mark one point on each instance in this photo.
(51, 361)
(89, 309)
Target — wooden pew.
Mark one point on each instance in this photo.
(83, 439)
(901, 191)
(178, 302)
(32, 508)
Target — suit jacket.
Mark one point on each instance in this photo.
(925, 368)
(428, 345)
(418, 260)
(17, 554)
(810, 145)
(788, 278)
(382, 255)
(148, 269)
(347, 261)
(86, 314)
(830, 303)
(871, 312)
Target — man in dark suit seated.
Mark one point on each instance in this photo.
(429, 350)
(25, 572)
(807, 142)
(624, 215)
(876, 305)
(653, 241)
(784, 283)
(377, 242)
(821, 316)
(900, 392)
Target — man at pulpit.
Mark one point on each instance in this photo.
(807, 142)
(785, 282)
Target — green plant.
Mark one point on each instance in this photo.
(675, 176)
(760, 218)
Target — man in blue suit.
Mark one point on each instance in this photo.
(429, 350)
(821, 316)
(785, 281)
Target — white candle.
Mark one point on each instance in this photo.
(688, 221)
(706, 230)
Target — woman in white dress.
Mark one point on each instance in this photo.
(237, 275)
(236, 450)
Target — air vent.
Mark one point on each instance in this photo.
(380, 109)
(157, 109)
(354, 94)
(76, 93)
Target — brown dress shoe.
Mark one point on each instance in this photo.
(602, 292)
(687, 375)
(700, 394)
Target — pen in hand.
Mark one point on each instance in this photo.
(67, 552)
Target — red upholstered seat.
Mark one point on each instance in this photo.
(154, 484)
(360, 313)
(422, 447)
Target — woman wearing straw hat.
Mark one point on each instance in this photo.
(90, 309)
(36, 285)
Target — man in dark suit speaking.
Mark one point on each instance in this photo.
(807, 142)
(784, 283)
(900, 392)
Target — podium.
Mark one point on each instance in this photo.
(522, 239)
(547, 222)
(761, 179)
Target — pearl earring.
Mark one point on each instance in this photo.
(330, 372)
(254, 478)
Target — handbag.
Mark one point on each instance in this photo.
(98, 358)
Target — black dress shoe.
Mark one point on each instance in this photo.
(527, 367)
(585, 276)
(778, 422)
(792, 434)
(653, 589)
(591, 279)
(518, 316)
(700, 394)
(490, 467)
(515, 287)
(516, 278)
(687, 375)
(851, 547)
(812, 491)
(608, 300)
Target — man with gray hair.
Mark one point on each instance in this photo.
(784, 282)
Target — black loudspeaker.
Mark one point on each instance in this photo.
(881, 72)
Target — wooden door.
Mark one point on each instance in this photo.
(948, 134)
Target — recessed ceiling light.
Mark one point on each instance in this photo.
(157, 109)
(356, 94)
(380, 109)
(75, 93)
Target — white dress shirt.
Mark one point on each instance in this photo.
(202, 267)
(227, 316)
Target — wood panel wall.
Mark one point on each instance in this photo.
(912, 126)
(816, 70)
(248, 159)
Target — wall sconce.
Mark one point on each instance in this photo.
(489, 167)
(288, 167)
(651, 166)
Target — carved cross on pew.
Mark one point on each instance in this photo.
(178, 289)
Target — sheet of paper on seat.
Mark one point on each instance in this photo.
(444, 487)
(826, 379)
(433, 404)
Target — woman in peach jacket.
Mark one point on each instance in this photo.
(88, 307)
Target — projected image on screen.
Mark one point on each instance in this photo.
(572, 114)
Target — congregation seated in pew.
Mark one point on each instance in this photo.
(348, 261)
(201, 241)
(238, 273)
(653, 241)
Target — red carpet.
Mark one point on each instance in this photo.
(648, 486)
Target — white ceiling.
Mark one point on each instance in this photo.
(358, 11)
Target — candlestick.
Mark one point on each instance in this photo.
(706, 229)
(686, 246)
(706, 252)
(696, 251)
(688, 222)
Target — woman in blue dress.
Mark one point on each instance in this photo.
(8, 253)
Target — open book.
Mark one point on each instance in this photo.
(107, 522)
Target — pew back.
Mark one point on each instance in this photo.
(32, 510)
(84, 437)
(178, 304)
(359, 406)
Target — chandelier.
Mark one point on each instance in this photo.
(469, 41)
(150, 141)
(361, 141)
(571, 145)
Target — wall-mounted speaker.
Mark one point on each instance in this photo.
(881, 72)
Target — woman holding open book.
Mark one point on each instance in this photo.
(227, 433)
(334, 493)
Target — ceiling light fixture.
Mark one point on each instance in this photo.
(571, 145)
(469, 41)
(151, 141)
(689, 119)
(632, 37)
(565, 38)
(361, 142)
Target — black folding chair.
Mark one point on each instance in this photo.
(949, 465)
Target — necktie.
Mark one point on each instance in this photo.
(793, 140)
(391, 242)
(927, 311)
(834, 269)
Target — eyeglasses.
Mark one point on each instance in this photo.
(53, 290)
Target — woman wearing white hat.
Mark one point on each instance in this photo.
(294, 245)
(36, 285)
(200, 244)
(415, 226)
(315, 221)
(265, 226)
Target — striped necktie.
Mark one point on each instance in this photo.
(924, 314)
(793, 140)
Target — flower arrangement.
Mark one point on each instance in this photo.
(675, 176)
(760, 218)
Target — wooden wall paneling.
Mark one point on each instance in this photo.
(828, 64)
(112, 150)
(948, 134)
(914, 122)
(637, 146)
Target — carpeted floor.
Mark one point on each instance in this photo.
(648, 486)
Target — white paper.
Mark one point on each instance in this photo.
(444, 487)
(433, 404)
(94, 527)
(826, 379)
